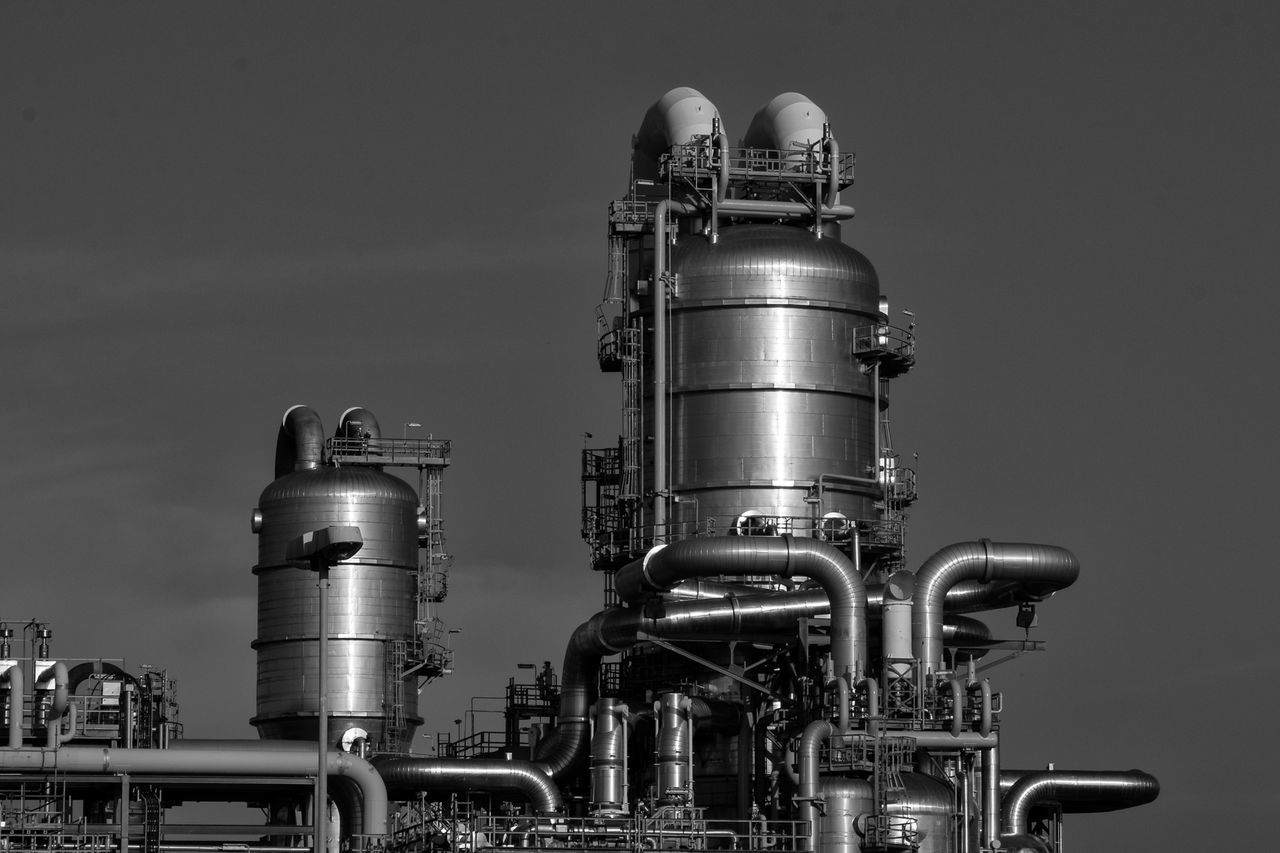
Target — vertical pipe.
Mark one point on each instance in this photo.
(16, 700)
(660, 237)
(321, 810)
(991, 796)
(744, 765)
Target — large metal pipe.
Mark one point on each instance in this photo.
(58, 706)
(410, 774)
(300, 441)
(1040, 569)
(673, 760)
(13, 675)
(811, 740)
(265, 761)
(609, 758)
(1082, 790)
(660, 368)
(789, 122)
(677, 118)
(358, 422)
(783, 557)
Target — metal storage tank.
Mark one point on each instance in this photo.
(372, 600)
(766, 391)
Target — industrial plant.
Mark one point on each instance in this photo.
(770, 670)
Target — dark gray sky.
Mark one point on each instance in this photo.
(212, 211)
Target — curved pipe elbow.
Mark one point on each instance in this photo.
(300, 441)
(871, 687)
(358, 422)
(1038, 569)
(1085, 790)
(781, 556)
(411, 774)
(13, 675)
(983, 689)
(675, 119)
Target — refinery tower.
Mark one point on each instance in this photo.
(771, 669)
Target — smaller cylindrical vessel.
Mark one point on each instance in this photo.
(675, 749)
(848, 803)
(608, 759)
(372, 604)
(895, 611)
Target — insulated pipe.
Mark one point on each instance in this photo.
(811, 740)
(660, 238)
(70, 734)
(673, 768)
(872, 688)
(757, 209)
(983, 689)
(358, 422)
(1041, 569)
(990, 795)
(957, 707)
(782, 556)
(300, 441)
(1097, 790)
(677, 118)
(789, 122)
(410, 774)
(13, 675)
(265, 761)
(53, 719)
(609, 758)
(842, 701)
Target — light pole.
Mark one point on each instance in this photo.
(317, 551)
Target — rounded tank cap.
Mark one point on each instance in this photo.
(255, 521)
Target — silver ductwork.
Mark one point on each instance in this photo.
(1040, 570)
(408, 775)
(300, 442)
(16, 685)
(678, 118)
(231, 763)
(1076, 791)
(782, 557)
(609, 758)
(673, 762)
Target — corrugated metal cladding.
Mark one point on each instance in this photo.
(766, 393)
(371, 600)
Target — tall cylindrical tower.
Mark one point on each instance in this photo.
(766, 392)
(372, 597)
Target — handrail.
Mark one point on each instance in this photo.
(422, 452)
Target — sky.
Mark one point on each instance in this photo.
(214, 211)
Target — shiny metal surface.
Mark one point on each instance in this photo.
(673, 761)
(1039, 569)
(846, 800)
(930, 803)
(762, 557)
(407, 775)
(1076, 791)
(371, 601)
(765, 393)
(609, 758)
